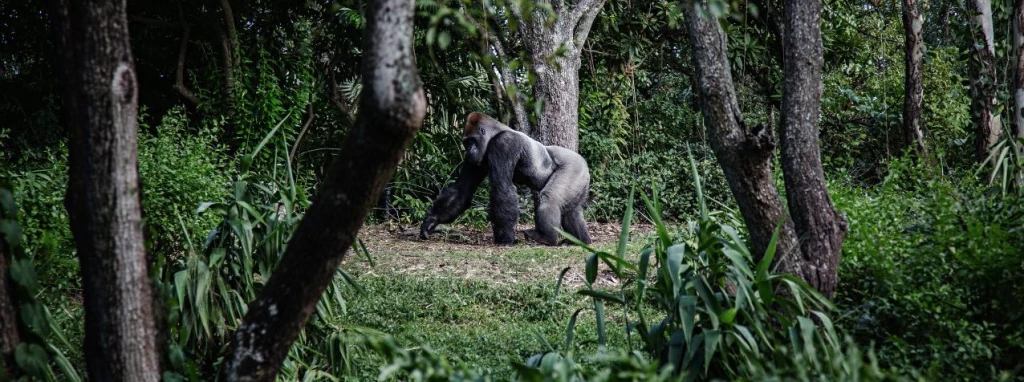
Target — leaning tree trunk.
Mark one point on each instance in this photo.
(819, 226)
(391, 110)
(100, 109)
(1018, 72)
(745, 155)
(983, 87)
(557, 82)
(913, 83)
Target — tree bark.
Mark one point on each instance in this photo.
(179, 75)
(392, 108)
(745, 155)
(100, 109)
(819, 226)
(9, 337)
(1018, 72)
(557, 82)
(913, 85)
(983, 87)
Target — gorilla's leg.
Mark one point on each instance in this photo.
(573, 223)
(549, 217)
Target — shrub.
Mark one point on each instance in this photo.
(40, 190)
(178, 170)
(933, 271)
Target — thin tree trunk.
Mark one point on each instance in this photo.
(392, 108)
(983, 87)
(745, 155)
(557, 82)
(179, 75)
(819, 226)
(9, 337)
(1018, 73)
(100, 109)
(913, 85)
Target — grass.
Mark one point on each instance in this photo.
(474, 303)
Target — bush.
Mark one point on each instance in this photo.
(179, 169)
(933, 271)
(40, 189)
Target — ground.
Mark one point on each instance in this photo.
(468, 252)
(471, 301)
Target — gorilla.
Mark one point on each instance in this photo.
(559, 176)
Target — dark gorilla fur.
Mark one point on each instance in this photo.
(560, 176)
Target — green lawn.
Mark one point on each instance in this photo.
(473, 302)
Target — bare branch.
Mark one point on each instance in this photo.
(179, 77)
(302, 133)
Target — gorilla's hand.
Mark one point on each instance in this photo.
(428, 226)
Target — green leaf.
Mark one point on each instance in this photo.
(444, 39)
(558, 285)
(570, 331)
(602, 295)
(727, 316)
(688, 314)
(696, 183)
(32, 359)
(769, 253)
(711, 338)
(616, 263)
(674, 261)
(599, 316)
(627, 219)
(591, 269)
(7, 205)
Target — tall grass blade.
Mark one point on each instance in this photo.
(570, 331)
(627, 219)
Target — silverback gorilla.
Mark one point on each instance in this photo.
(560, 176)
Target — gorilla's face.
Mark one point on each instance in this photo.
(474, 152)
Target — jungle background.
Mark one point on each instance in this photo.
(243, 105)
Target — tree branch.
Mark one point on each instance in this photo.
(229, 67)
(302, 133)
(153, 22)
(229, 23)
(391, 110)
(583, 28)
(507, 79)
(179, 77)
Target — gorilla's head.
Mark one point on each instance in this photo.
(478, 132)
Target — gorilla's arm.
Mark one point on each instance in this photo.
(455, 199)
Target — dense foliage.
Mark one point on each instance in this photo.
(932, 275)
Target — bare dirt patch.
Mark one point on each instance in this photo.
(468, 253)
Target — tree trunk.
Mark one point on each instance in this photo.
(819, 226)
(392, 108)
(913, 85)
(100, 109)
(983, 87)
(557, 82)
(9, 337)
(1018, 72)
(745, 155)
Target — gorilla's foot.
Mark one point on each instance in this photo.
(536, 236)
